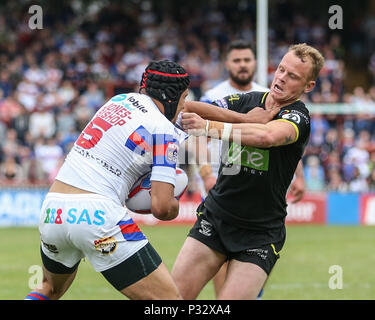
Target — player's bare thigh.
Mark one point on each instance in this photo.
(158, 285)
(244, 280)
(195, 265)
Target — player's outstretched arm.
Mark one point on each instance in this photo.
(212, 112)
(274, 133)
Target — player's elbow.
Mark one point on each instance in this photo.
(165, 210)
(274, 139)
(269, 140)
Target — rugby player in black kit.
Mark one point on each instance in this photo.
(242, 219)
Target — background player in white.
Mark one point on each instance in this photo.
(241, 65)
(84, 214)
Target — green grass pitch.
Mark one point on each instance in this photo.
(302, 272)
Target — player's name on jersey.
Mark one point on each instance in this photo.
(115, 114)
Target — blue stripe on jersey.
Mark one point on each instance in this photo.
(165, 150)
(163, 162)
(140, 141)
(135, 236)
(130, 230)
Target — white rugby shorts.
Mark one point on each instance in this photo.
(74, 226)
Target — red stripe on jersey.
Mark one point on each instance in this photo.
(160, 149)
(129, 228)
(139, 141)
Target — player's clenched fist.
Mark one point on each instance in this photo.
(194, 124)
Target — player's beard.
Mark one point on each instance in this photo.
(241, 81)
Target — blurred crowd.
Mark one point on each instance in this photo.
(53, 80)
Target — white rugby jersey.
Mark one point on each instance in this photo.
(224, 89)
(127, 137)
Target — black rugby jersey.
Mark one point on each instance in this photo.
(255, 197)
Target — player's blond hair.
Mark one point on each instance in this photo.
(303, 51)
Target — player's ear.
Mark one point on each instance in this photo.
(310, 86)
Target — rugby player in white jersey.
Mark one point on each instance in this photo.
(83, 215)
(241, 65)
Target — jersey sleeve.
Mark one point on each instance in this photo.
(300, 119)
(165, 147)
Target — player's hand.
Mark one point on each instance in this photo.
(193, 124)
(260, 115)
(297, 189)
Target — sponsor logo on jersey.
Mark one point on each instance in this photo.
(205, 228)
(136, 104)
(292, 117)
(85, 217)
(261, 253)
(115, 114)
(233, 97)
(50, 247)
(106, 245)
(119, 97)
(249, 157)
(172, 152)
(55, 216)
(103, 163)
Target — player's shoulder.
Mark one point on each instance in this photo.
(296, 111)
(243, 102)
(258, 88)
(255, 96)
(131, 101)
(300, 106)
(144, 110)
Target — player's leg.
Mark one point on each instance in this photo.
(57, 278)
(200, 257)
(244, 281)
(60, 259)
(195, 265)
(219, 278)
(248, 271)
(143, 276)
(158, 285)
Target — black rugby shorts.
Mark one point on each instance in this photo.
(259, 247)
